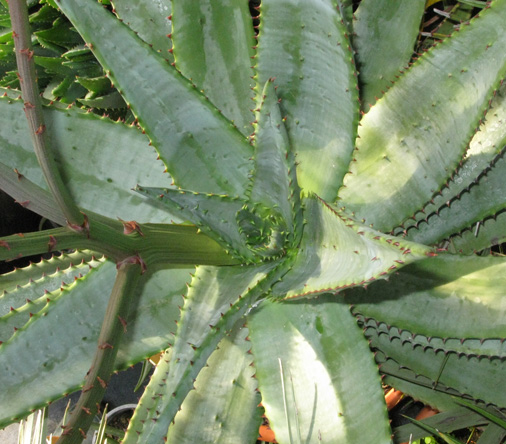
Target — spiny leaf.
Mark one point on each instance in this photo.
(446, 296)
(315, 373)
(150, 20)
(435, 432)
(484, 149)
(217, 64)
(248, 231)
(482, 200)
(413, 139)
(19, 305)
(217, 299)
(225, 393)
(274, 182)
(201, 148)
(78, 138)
(386, 32)
(425, 370)
(35, 368)
(455, 419)
(337, 253)
(23, 276)
(303, 45)
(483, 234)
(495, 418)
(215, 214)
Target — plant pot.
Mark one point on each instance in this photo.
(118, 418)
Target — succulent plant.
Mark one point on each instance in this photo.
(332, 205)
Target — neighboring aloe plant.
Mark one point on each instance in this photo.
(323, 194)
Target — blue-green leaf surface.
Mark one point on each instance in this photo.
(201, 149)
(316, 374)
(303, 45)
(150, 20)
(51, 354)
(100, 160)
(225, 395)
(385, 36)
(216, 300)
(414, 138)
(213, 45)
(337, 253)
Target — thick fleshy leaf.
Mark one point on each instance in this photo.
(436, 317)
(446, 297)
(385, 37)
(303, 45)
(485, 234)
(214, 214)
(337, 253)
(250, 232)
(483, 200)
(213, 46)
(201, 149)
(118, 155)
(150, 20)
(413, 139)
(274, 178)
(46, 267)
(51, 354)
(455, 419)
(216, 300)
(19, 305)
(225, 395)
(435, 377)
(316, 374)
(445, 214)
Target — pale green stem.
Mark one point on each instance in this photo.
(33, 110)
(29, 195)
(156, 245)
(113, 328)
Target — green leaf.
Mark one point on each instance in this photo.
(61, 35)
(316, 374)
(50, 356)
(484, 234)
(216, 300)
(492, 435)
(113, 100)
(150, 20)
(251, 232)
(216, 63)
(214, 214)
(274, 181)
(413, 139)
(386, 33)
(476, 180)
(19, 305)
(46, 267)
(120, 155)
(303, 45)
(53, 64)
(225, 394)
(201, 149)
(435, 317)
(337, 253)
(445, 297)
(455, 419)
(495, 418)
(95, 84)
(433, 431)
(482, 200)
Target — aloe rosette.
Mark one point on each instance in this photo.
(333, 236)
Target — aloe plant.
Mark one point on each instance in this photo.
(330, 189)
